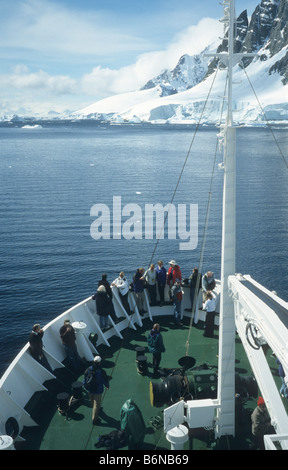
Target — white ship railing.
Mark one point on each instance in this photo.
(269, 440)
(25, 376)
(259, 309)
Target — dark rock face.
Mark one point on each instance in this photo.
(189, 71)
(260, 25)
(267, 31)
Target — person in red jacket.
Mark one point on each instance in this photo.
(173, 273)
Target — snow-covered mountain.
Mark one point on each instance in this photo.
(179, 95)
(189, 71)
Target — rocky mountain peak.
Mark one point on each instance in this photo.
(260, 25)
(267, 32)
(189, 71)
(177, 95)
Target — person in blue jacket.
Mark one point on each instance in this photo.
(138, 287)
(95, 379)
(156, 346)
(161, 280)
(283, 389)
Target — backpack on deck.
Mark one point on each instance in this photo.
(112, 441)
(90, 381)
(132, 423)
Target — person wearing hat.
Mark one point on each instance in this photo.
(261, 424)
(173, 273)
(95, 379)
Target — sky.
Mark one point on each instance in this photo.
(67, 54)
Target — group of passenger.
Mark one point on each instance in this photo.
(155, 279)
(68, 338)
(151, 279)
(261, 422)
(74, 361)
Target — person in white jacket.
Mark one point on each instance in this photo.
(150, 278)
(122, 285)
(209, 306)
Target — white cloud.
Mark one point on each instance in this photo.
(22, 79)
(61, 33)
(196, 38)
(102, 82)
(105, 81)
(50, 45)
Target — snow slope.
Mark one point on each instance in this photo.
(188, 106)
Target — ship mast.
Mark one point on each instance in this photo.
(201, 413)
(225, 422)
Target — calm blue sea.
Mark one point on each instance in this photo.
(52, 177)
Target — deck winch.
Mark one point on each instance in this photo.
(177, 386)
(197, 385)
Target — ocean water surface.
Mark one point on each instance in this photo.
(52, 176)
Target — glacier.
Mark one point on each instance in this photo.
(256, 96)
(260, 91)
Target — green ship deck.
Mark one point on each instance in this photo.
(76, 432)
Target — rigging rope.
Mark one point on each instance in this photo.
(280, 151)
(167, 213)
(205, 229)
(183, 167)
(206, 219)
(207, 212)
(266, 119)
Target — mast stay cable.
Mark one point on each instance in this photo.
(205, 229)
(266, 119)
(170, 204)
(183, 166)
